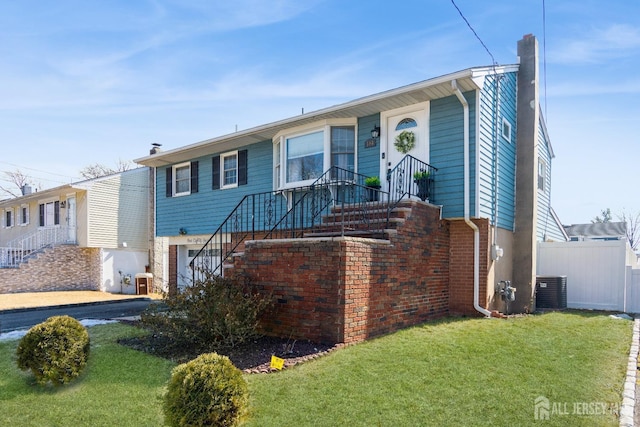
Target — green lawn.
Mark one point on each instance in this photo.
(119, 387)
(460, 372)
(451, 372)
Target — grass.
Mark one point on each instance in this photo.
(452, 372)
(119, 387)
(456, 372)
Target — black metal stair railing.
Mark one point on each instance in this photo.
(410, 177)
(338, 202)
(255, 215)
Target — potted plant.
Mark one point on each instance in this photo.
(373, 188)
(422, 178)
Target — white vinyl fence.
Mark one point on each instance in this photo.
(600, 275)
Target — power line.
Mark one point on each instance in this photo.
(544, 53)
(493, 60)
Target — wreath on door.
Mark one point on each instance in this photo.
(405, 141)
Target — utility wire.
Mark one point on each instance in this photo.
(544, 53)
(493, 60)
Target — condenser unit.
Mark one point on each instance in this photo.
(551, 292)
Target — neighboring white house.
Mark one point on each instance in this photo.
(92, 234)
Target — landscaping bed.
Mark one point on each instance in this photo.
(251, 357)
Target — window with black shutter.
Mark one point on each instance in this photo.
(229, 170)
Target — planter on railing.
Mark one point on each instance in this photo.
(423, 181)
(411, 177)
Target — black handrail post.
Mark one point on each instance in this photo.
(253, 218)
(294, 216)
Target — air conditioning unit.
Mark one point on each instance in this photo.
(551, 292)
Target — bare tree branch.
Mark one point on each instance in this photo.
(18, 179)
(97, 170)
(633, 227)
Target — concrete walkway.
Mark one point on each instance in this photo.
(48, 299)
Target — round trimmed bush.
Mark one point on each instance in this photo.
(207, 391)
(55, 350)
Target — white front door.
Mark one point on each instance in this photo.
(71, 219)
(415, 119)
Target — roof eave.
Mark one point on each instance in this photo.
(468, 79)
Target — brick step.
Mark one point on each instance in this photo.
(371, 234)
(398, 211)
(359, 223)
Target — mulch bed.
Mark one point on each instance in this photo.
(251, 357)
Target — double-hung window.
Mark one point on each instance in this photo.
(24, 214)
(8, 218)
(542, 174)
(182, 179)
(343, 147)
(229, 169)
(302, 155)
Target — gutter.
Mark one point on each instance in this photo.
(476, 231)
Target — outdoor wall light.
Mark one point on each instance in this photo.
(182, 231)
(375, 132)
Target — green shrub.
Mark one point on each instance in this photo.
(207, 391)
(209, 315)
(55, 350)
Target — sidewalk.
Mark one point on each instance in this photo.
(47, 299)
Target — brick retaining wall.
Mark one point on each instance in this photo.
(350, 289)
(61, 268)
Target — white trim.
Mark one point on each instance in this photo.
(477, 143)
(323, 126)
(174, 177)
(224, 186)
(468, 77)
(508, 123)
(542, 163)
(385, 145)
(48, 200)
(4, 218)
(22, 206)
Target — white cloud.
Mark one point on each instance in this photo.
(598, 45)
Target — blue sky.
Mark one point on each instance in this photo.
(85, 82)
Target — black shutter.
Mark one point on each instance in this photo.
(194, 177)
(41, 215)
(169, 182)
(216, 172)
(56, 212)
(242, 167)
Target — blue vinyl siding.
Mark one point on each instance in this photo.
(497, 155)
(546, 226)
(202, 212)
(446, 146)
(368, 158)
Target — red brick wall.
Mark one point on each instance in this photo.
(173, 269)
(350, 289)
(461, 266)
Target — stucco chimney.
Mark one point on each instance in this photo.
(524, 241)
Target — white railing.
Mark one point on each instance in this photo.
(16, 250)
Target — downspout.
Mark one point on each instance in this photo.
(476, 231)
